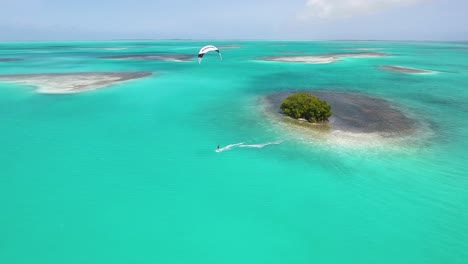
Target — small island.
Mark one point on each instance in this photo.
(353, 113)
(306, 106)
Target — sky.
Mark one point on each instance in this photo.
(436, 20)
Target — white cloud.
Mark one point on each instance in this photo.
(335, 9)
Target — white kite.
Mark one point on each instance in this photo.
(207, 49)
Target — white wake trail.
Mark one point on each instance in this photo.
(261, 145)
(242, 145)
(228, 147)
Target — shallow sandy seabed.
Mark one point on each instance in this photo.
(324, 58)
(406, 70)
(61, 83)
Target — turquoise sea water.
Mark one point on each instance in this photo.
(128, 173)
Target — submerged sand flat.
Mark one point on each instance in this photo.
(61, 83)
(406, 70)
(154, 57)
(363, 49)
(324, 58)
(8, 59)
(355, 113)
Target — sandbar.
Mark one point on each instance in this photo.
(63, 83)
(323, 58)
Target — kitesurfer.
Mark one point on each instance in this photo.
(207, 49)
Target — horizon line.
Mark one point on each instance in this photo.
(227, 39)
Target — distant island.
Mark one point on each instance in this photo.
(153, 57)
(305, 106)
(323, 58)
